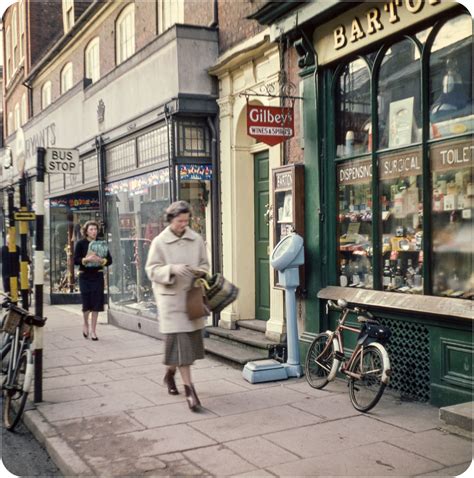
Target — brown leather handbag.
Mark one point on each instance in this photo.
(196, 301)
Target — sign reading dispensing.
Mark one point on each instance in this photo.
(270, 124)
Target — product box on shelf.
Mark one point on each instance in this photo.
(450, 202)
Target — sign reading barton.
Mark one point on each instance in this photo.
(270, 124)
(64, 161)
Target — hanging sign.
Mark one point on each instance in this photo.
(270, 124)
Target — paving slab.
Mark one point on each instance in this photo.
(328, 407)
(219, 461)
(324, 437)
(455, 470)
(437, 445)
(74, 380)
(68, 394)
(93, 406)
(98, 426)
(380, 460)
(261, 452)
(254, 423)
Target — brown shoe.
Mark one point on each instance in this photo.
(192, 398)
(168, 380)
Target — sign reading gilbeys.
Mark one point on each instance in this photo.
(64, 161)
(270, 124)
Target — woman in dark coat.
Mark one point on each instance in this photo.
(91, 277)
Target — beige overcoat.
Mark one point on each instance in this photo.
(170, 290)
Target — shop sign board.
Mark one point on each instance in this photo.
(270, 124)
(24, 216)
(401, 164)
(62, 161)
(452, 155)
(355, 172)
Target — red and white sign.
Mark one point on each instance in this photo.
(270, 124)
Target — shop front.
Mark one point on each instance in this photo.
(389, 165)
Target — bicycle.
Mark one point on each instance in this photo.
(368, 367)
(17, 360)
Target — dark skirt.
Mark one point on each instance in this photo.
(183, 348)
(92, 291)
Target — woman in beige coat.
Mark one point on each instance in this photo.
(174, 256)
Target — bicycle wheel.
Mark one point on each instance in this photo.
(15, 398)
(366, 391)
(320, 361)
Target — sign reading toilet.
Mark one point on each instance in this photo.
(64, 161)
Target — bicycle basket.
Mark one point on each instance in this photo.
(12, 320)
(374, 332)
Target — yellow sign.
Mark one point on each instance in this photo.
(24, 216)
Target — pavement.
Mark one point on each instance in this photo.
(105, 412)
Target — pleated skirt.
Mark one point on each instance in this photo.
(183, 348)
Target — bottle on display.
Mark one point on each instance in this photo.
(386, 274)
(344, 276)
(355, 275)
(418, 277)
(410, 274)
(398, 275)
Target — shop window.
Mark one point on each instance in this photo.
(353, 110)
(399, 96)
(66, 78)
(402, 221)
(193, 139)
(153, 147)
(136, 215)
(451, 105)
(354, 223)
(121, 158)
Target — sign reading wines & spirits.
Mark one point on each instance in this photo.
(270, 124)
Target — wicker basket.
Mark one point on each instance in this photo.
(11, 322)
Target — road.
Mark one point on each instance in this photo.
(23, 456)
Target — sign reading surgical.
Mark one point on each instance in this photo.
(64, 161)
(270, 124)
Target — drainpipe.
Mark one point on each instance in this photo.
(170, 140)
(101, 169)
(215, 20)
(215, 202)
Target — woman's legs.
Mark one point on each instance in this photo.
(85, 327)
(94, 315)
(185, 371)
(191, 396)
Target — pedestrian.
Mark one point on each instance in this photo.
(173, 260)
(7, 269)
(91, 277)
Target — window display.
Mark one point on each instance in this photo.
(452, 205)
(402, 216)
(451, 106)
(136, 209)
(399, 96)
(354, 225)
(353, 125)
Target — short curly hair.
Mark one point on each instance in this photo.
(176, 208)
(86, 226)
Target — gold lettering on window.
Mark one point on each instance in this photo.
(357, 30)
(339, 37)
(391, 9)
(373, 21)
(413, 6)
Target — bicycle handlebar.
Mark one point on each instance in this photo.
(355, 310)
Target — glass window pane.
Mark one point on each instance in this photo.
(353, 121)
(136, 215)
(451, 106)
(452, 168)
(399, 97)
(354, 224)
(402, 215)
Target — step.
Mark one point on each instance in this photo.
(243, 336)
(234, 353)
(459, 415)
(257, 325)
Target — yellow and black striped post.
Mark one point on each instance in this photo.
(12, 252)
(24, 286)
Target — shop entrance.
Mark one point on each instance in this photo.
(262, 266)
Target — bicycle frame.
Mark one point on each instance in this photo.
(17, 346)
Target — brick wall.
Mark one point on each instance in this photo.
(233, 25)
(199, 12)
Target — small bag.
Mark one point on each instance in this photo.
(219, 291)
(196, 302)
(100, 249)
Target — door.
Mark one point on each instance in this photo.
(262, 272)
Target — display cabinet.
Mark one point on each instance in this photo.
(288, 205)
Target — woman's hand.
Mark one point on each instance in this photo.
(92, 258)
(182, 270)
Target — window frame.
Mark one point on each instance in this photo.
(170, 12)
(92, 68)
(68, 14)
(125, 46)
(46, 94)
(67, 82)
